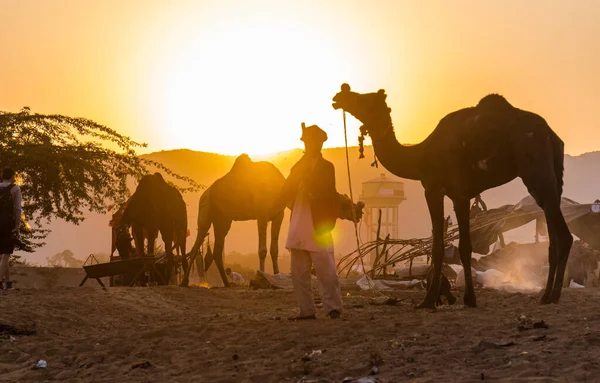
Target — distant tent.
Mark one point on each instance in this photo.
(488, 224)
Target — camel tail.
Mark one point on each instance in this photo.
(558, 152)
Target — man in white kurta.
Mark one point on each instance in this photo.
(311, 186)
(307, 249)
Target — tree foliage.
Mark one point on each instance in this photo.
(66, 258)
(70, 166)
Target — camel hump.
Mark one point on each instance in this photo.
(494, 103)
(241, 163)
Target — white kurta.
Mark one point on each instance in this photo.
(308, 249)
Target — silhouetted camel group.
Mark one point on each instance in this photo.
(471, 150)
(245, 193)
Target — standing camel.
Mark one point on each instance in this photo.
(247, 193)
(472, 150)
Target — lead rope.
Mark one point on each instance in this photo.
(354, 210)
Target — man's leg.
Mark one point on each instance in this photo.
(4, 275)
(329, 284)
(301, 280)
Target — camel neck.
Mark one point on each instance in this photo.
(402, 161)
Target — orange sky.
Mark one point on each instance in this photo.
(225, 76)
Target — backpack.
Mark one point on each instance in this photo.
(7, 208)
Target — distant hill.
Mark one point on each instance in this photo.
(93, 235)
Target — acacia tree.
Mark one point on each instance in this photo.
(68, 166)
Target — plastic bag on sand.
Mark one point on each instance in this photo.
(490, 277)
(575, 285)
(379, 284)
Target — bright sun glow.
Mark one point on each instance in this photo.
(246, 85)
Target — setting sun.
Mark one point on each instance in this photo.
(245, 84)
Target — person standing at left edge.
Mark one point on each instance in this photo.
(311, 188)
(10, 222)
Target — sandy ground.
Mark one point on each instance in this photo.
(238, 335)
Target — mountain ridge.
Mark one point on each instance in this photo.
(93, 235)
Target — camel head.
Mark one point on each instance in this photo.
(369, 108)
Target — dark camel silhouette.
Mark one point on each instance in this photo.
(246, 193)
(155, 207)
(472, 150)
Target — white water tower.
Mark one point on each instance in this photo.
(385, 194)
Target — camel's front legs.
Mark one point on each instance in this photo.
(435, 202)
(275, 230)
(461, 208)
(262, 242)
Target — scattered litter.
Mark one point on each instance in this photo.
(40, 364)
(490, 277)
(374, 370)
(485, 345)
(575, 285)
(527, 323)
(394, 343)
(144, 364)
(366, 379)
(308, 357)
(380, 284)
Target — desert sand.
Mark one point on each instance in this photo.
(172, 334)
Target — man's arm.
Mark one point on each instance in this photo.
(290, 186)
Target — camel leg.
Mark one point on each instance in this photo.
(181, 247)
(167, 237)
(553, 263)
(200, 268)
(548, 198)
(262, 242)
(221, 229)
(537, 192)
(152, 235)
(563, 238)
(435, 202)
(275, 230)
(461, 208)
(138, 239)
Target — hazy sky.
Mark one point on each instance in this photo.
(240, 76)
